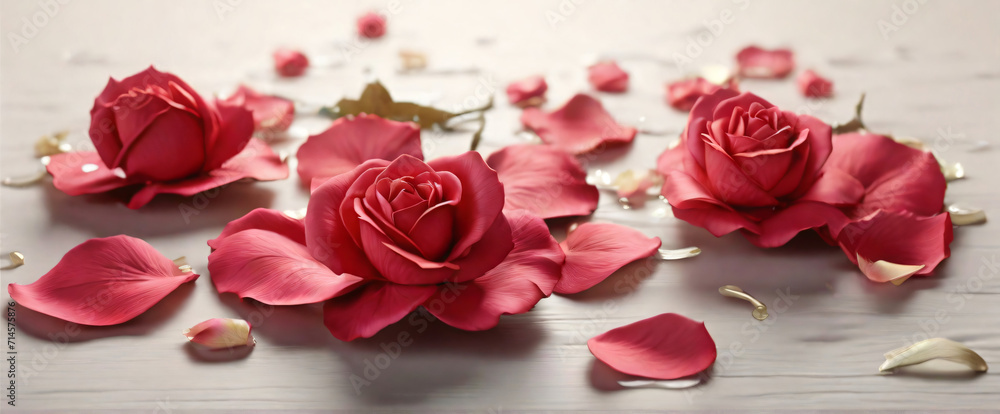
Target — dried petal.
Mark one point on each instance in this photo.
(678, 254)
(963, 215)
(103, 282)
(934, 348)
(883, 271)
(221, 333)
(666, 346)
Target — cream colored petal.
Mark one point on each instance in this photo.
(678, 254)
(934, 348)
(221, 333)
(882, 271)
(962, 215)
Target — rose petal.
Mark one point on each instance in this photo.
(532, 88)
(351, 141)
(666, 346)
(257, 161)
(76, 173)
(274, 269)
(783, 225)
(270, 113)
(895, 176)
(481, 200)
(814, 86)
(898, 239)
(221, 333)
(234, 133)
(596, 250)
(684, 93)
(528, 274)
(365, 311)
(103, 282)
(755, 62)
(546, 181)
(290, 63)
(264, 219)
(581, 125)
(608, 77)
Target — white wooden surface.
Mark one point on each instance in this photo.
(936, 77)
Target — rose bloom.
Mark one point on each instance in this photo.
(371, 25)
(155, 134)
(744, 164)
(387, 237)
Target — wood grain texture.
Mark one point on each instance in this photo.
(937, 77)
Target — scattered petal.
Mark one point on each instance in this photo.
(814, 86)
(221, 333)
(543, 180)
(755, 62)
(684, 93)
(678, 254)
(636, 186)
(103, 282)
(596, 250)
(527, 92)
(270, 113)
(934, 348)
(608, 77)
(371, 25)
(412, 60)
(581, 125)
(892, 246)
(964, 215)
(16, 261)
(352, 140)
(666, 346)
(290, 63)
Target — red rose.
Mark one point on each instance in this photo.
(371, 25)
(388, 237)
(152, 129)
(290, 63)
(743, 163)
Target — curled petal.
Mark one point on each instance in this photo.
(103, 282)
(581, 125)
(527, 92)
(351, 141)
(666, 346)
(76, 173)
(608, 77)
(527, 275)
(264, 219)
(365, 311)
(934, 348)
(543, 180)
(596, 250)
(256, 161)
(755, 62)
(221, 333)
(814, 86)
(891, 246)
(270, 113)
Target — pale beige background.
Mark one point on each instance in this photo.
(936, 77)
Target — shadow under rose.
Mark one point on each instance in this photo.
(408, 361)
(622, 282)
(42, 326)
(300, 325)
(105, 214)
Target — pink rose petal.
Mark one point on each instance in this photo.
(365, 311)
(351, 141)
(814, 86)
(666, 346)
(290, 63)
(581, 125)
(596, 250)
(103, 282)
(527, 275)
(76, 173)
(608, 77)
(755, 62)
(273, 269)
(263, 219)
(544, 180)
(527, 92)
(684, 93)
(221, 333)
(270, 113)
(897, 238)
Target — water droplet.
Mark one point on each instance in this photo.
(88, 168)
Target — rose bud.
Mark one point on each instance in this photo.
(371, 25)
(290, 63)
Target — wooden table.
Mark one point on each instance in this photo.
(930, 69)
